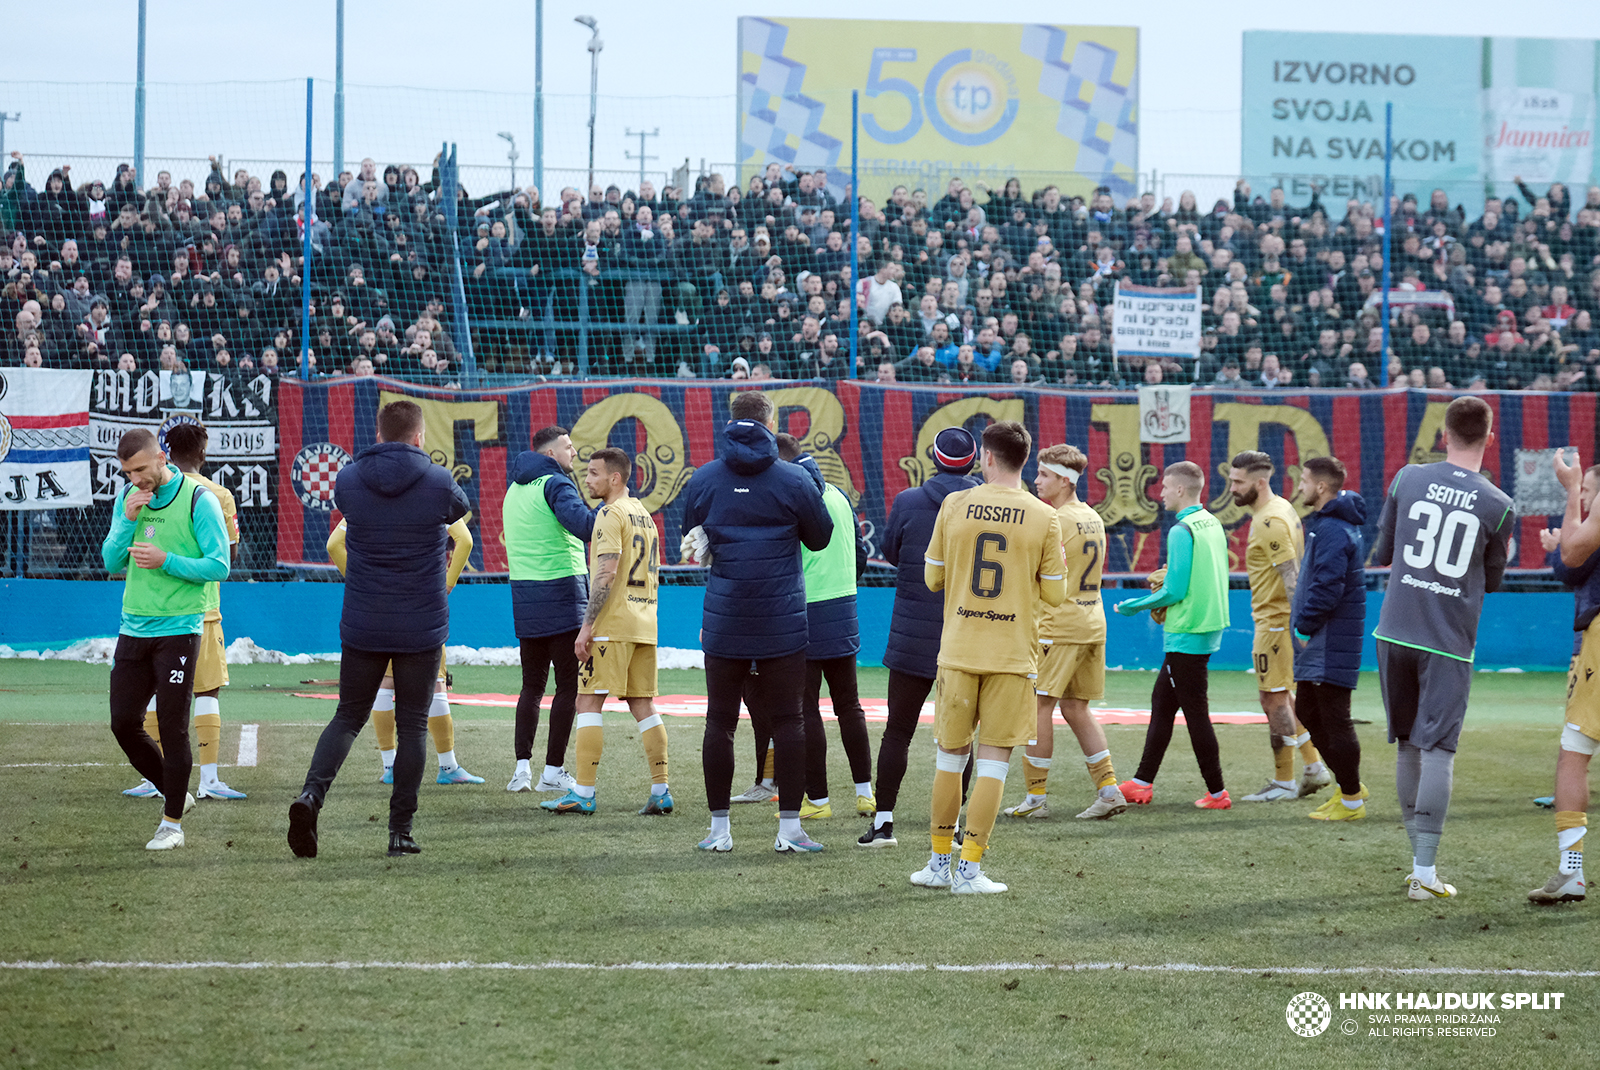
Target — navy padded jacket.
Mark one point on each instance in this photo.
(756, 511)
(397, 505)
(918, 619)
(1330, 599)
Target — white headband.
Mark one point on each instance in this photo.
(1061, 470)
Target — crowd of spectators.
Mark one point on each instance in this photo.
(977, 285)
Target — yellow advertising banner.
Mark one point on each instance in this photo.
(982, 101)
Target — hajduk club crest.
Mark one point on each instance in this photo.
(316, 467)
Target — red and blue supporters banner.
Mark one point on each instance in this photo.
(875, 440)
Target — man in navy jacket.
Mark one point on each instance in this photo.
(397, 506)
(913, 653)
(1329, 618)
(755, 511)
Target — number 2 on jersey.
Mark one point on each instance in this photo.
(1092, 548)
(644, 553)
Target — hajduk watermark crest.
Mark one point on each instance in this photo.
(1308, 1014)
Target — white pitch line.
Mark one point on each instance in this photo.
(247, 744)
(812, 967)
(56, 765)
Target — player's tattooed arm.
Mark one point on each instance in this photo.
(604, 576)
(1290, 575)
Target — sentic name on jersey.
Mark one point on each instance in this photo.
(1464, 499)
(995, 514)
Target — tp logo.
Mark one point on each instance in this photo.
(1308, 1014)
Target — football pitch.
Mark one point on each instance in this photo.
(1167, 936)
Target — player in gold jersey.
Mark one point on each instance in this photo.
(616, 647)
(999, 548)
(1072, 644)
(1272, 560)
(441, 725)
(186, 447)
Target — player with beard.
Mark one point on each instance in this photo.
(1272, 561)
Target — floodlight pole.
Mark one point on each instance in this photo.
(538, 97)
(138, 105)
(1388, 237)
(594, 46)
(338, 90)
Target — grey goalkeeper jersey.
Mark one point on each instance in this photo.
(1444, 530)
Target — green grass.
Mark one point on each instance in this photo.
(500, 881)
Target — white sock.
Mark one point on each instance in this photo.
(1287, 783)
(967, 868)
(1572, 861)
(1034, 800)
(171, 825)
(208, 773)
(523, 767)
(447, 760)
(789, 828)
(1313, 767)
(820, 802)
(863, 788)
(583, 791)
(719, 825)
(1217, 794)
(882, 818)
(1351, 804)
(551, 772)
(1425, 874)
(388, 758)
(939, 861)
(1141, 783)
(770, 784)
(657, 790)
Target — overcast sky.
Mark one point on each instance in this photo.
(678, 62)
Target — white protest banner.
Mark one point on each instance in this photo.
(1163, 414)
(1151, 321)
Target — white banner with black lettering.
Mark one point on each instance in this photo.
(1155, 321)
(239, 414)
(44, 438)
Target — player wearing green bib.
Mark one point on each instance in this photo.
(1195, 596)
(168, 532)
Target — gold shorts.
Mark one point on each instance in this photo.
(997, 707)
(211, 667)
(1273, 654)
(388, 670)
(1583, 684)
(1072, 670)
(619, 669)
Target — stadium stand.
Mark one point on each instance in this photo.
(1009, 285)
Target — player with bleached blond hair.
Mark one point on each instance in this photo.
(1072, 644)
